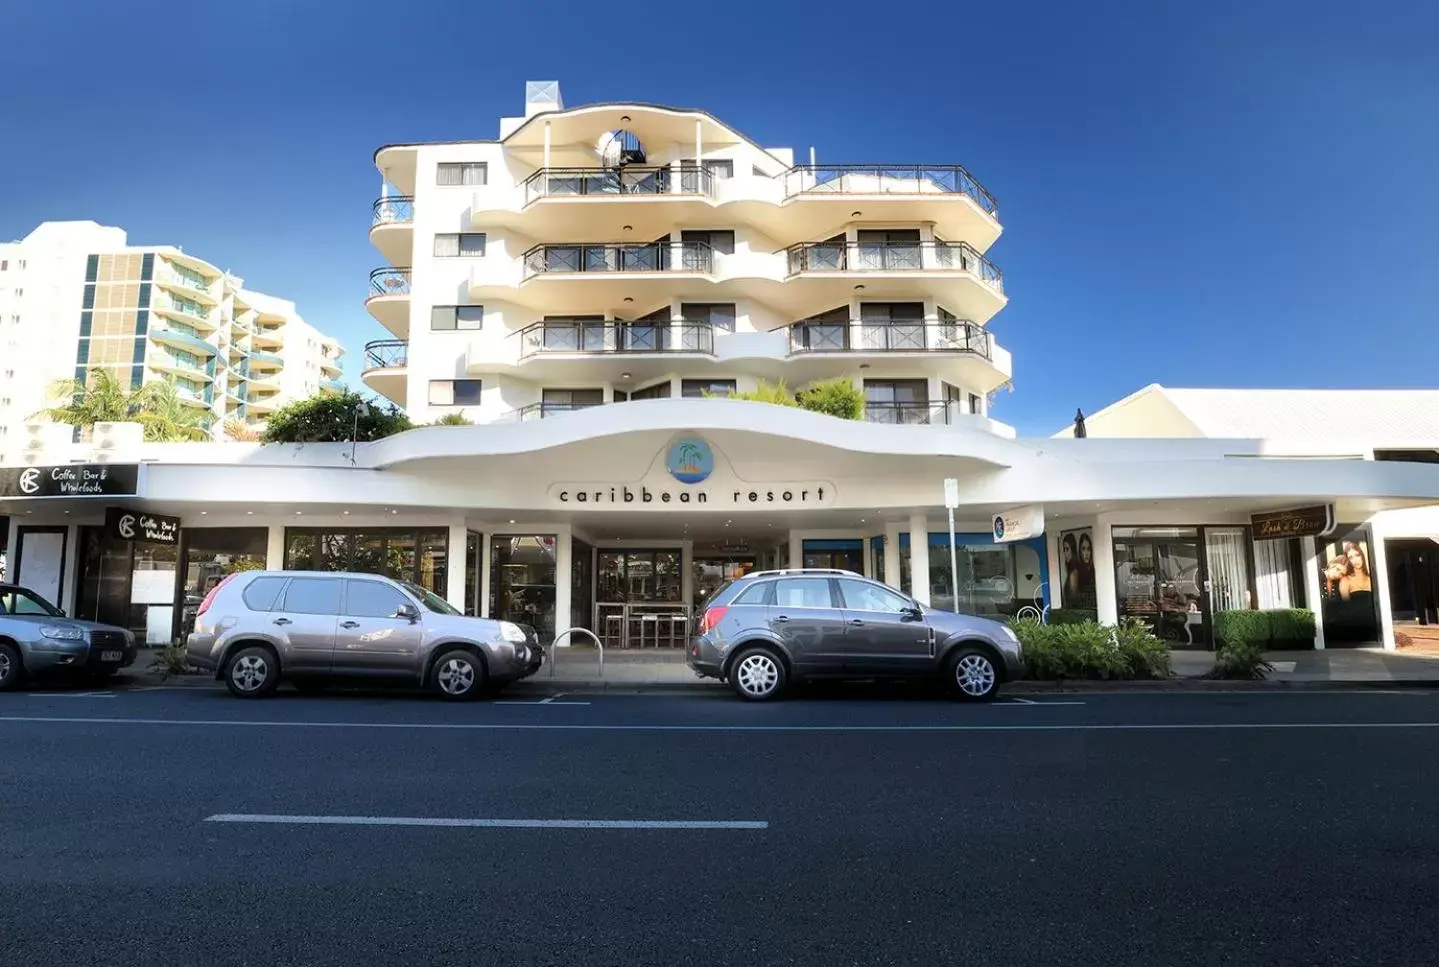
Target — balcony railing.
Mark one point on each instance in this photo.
(892, 257)
(615, 182)
(189, 280)
(616, 337)
(393, 210)
(914, 414)
(620, 257)
(539, 411)
(386, 354)
(887, 180)
(845, 336)
(389, 281)
(183, 307)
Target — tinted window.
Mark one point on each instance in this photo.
(761, 593)
(261, 593)
(312, 596)
(371, 599)
(863, 596)
(803, 593)
(24, 602)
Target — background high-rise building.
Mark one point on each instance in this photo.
(75, 297)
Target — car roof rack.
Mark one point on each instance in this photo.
(804, 570)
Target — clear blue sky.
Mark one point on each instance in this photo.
(1231, 193)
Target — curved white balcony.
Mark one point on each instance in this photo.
(953, 272)
(392, 227)
(386, 369)
(388, 300)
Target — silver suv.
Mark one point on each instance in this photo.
(36, 639)
(768, 628)
(309, 627)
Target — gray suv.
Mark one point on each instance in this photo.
(256, 627)
(768, 628)
(36, 639)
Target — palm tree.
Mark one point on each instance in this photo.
(102, 399)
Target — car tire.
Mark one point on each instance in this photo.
(758, 675)
(458, 676)
(12, 668)
(252, 672)
(972, 674)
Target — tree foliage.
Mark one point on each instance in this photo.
(834, 397)
(101, 398)
(453, 419)
(331, 418)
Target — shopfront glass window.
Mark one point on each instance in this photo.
(419, 555)
(211, 553)
(522, 581)
(1346, 587)
(1158, 581)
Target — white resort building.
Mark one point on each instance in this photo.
(75, 297)
(586, 289)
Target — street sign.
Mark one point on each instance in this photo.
(951, 493)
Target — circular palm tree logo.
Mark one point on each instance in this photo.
(690, 460)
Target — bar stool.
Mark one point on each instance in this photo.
(614, 630)
(650, 622)
(679, 630)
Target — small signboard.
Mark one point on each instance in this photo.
(951, 493)
(1317, 521)
(1019, 524)
(141, 527)
(71, 480)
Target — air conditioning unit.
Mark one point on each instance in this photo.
(38, 437)
(117, 442)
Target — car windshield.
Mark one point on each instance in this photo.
(431, 600)
(21, 601)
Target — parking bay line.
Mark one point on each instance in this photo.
(542, 701)
(71, 694)
(599, 727)
(283, 820)
(1028, 701)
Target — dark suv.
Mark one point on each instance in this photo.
(768, 628)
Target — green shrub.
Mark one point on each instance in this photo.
(1089, 650)
(764, 392)
(1072, 616)
(171, 660)
(1242, 659)
(1291, 628)
(836, 397)
(1242, 637)
(331, 418)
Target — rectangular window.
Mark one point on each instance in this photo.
(86, 320)
(405, 554)
(88, 299)
(721, 241)
(92, 268)
(976, 403)
(698, 388)
(574, 397)
(449, 318)
(463, 244)
(659, 391)
(455, 392)
(450, 174)
(720, 315)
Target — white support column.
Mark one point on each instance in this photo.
(1106, 600)
(564, 571)
(455, 564)
(69, 577)
(699, 143)
(796, 549)
(384, 184)
(484, 602)
(1379, 581)
(275, 548)
(892, 530)
(1313, 592)
(919, 557)
(1056, 574)
(545, 158)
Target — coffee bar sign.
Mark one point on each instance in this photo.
(141, 527)
(1317, 521)
(71, 480)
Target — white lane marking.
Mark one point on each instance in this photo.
(487, 823)
(71, 694)
(550, 727)
(543, 701)
(1025, 701)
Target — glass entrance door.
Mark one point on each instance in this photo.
(1159, 579)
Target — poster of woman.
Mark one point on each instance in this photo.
(1076, 564)
(1347, 589)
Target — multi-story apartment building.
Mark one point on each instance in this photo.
(75, 297)
(627, 252)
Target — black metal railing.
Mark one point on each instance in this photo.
(393, 210)
(598, 337)
(386, 354)
(539, 411)
(887, 180)
(865, 336)
(389, 281)
(620, 257)
(615, 182)
(892, 257)
(914, 414)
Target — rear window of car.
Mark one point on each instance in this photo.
(260, 594)
(761, 592)
(313, 596)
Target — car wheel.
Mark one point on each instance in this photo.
(458, 676)
(757, 675)
(973, 676)
(252, 673)
(12, 668)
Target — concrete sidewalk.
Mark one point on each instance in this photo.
(578, 668)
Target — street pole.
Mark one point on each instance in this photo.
(951, 501)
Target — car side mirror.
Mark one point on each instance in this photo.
(911, 613)
(408, 611)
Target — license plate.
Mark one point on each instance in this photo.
(111, 655)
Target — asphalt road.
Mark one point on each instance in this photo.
(850, 827)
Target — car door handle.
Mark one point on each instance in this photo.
(283, 621)
(349, 624)
(781, 619)
(856, 621)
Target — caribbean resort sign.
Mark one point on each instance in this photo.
(687, 473)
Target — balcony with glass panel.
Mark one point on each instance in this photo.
(612, 350)
(388, 299)
(191, 312)
(184, 281)
(386, 369)
(392, 227)
(951, 272)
